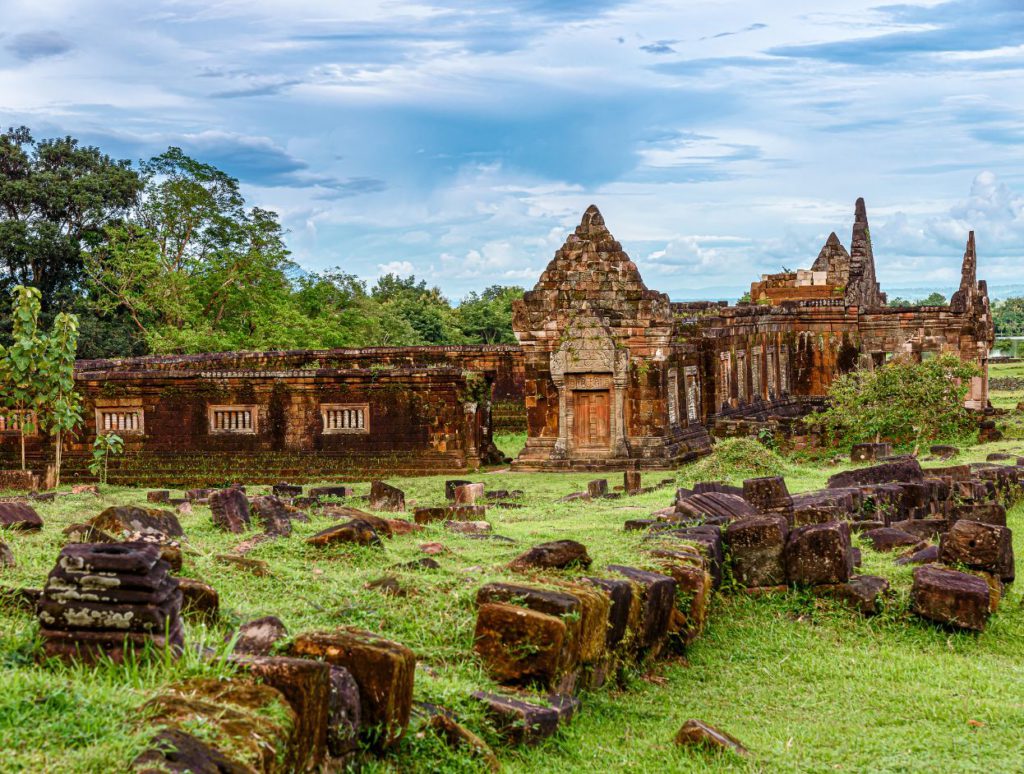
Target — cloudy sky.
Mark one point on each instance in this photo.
(460, 139)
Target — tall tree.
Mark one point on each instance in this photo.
(56, 197)
(61, 404)
(487, 318)
(22, 371)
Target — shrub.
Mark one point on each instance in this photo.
(735, 459)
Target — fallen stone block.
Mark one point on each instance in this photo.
(339, 492)
(697, 733)
(258, 637)
(950, 597)
(468, 527)
(457, 737)
(706, 505)
(344, 717)
(230, 510)
(756, 547)
(925, 555)
(527, 722)
(889, 539)
(901, 469)
(6, 556)
(384, 497)
(451, 485)
(272, 514)
(979, 546)
(819, 553)
(655, 594)
(631, 481)
(768, 494)
(449, 513)
(158, 496)
(356, 532)
(621, 603)
(693, 591)
(19, 516)
(986, 513)
(597, 487)
(923, 529)
(865, 452)
(383, 670)
(556, 555)
(943, 451)
(520, 646)
(862, 593)
(199, 600)
(468, 494)
(286, 490)
(173, 751)
(257, 567)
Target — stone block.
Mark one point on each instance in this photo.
(272, 515)
(383, 670)
(258, 637)
(950, 597)
(697, 733)
(756, 549)
(862, 593)
(519, 646)
(819, 553)
(890, 538)
(286, 490)
(693, 591)
(986, 513)
(19, 516)
(329, 491)
(621, 602)
(344, 717)
(556, 555)
(158, 496)
(655, 594)
(527, 722)
(901, 469)
(357, 532)
(865, 452)
(199, 600)
(450, 486)
(926, 554)
(631, 481)
(384, 497)
(768, 494)
(230, 510)
(708, 505)
(598, 487)
(979, 546)
(468, 494)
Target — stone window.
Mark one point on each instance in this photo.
(11, 422)
(120, 420)
(233, 420)
(673, 396)
(345, 418)
(692, 392)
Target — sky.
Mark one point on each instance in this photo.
(461, 140)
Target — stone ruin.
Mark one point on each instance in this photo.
(608, 374)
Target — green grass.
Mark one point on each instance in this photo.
(804, 683)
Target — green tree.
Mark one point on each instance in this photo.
(105, 446)
(487, 318)
(56, 198)
(1008, 317)
(932, 299)
(22, 365)
(425, 309)
(61, 409)
(902, 402)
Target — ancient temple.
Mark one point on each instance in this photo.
(607, 374)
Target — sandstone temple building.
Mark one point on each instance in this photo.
(608, 374)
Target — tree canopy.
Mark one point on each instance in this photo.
(168, 257)
(1008, 317)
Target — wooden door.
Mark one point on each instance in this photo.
(591, 419)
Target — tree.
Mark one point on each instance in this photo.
(932, 299)
(61, 404)
(22, 365)
(425, 309)
(902, 402)
(487, 318)
(1008, 317)
(56, 198)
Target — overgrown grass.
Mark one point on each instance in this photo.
(806, 684)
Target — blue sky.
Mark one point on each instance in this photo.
(461, 139)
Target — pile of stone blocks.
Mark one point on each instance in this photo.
(106, 599)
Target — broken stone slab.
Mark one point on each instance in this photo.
(555, 555)
(926, 554)
(468, 494)
(158, 496)
(457, 737)
(716, 504)
(258, 637)
(756, 547)
(768, 494)
(384, 671)
(819, 553)
(520, 646)
(317, 492)
(173, 751)
(384, 497)
(631, 481)
(655, 594)
(272, 515)
(86, 533)
(387, 585)
(943, 451)
(449, 513)
(901, 469)
(574, 497)
(257, 567)
(527, 722)
(451, 485)
(865, 452)
(199, 600)
(923, 529)
(286, 490)
(697, 733)
(230, 510)
(890, 538)
(597, 487)
(979, 546)
(19, 516)
(357, 532)
(986, 513)
(468, 527)
(306, 686)
(950, 597)
(862, 593)
(620, 596)
(344, 717)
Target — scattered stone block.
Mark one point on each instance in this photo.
(862, 593)
(697, 733)
(468, 494)
(900, 469)
(257, 567)
(330, 491)
(468, 527)
(923, 529)
(449, 513)
(384, 497)
(272, 515)
(693, 591)
(950, 597)
(86, 533)
(865, 452)
(258, 637)
(129, 518)
(426, 563)
(756, 548)
(19, 516)
(924, 555)
(527, 722)
(344, 717)
(631, 481)
(708, 505)
(158, 496)
(286, 490)
(979, 546)
(520, 646)
(172, 751)
(655, 595)
(198, 495)
(943, 451)
(457, 736)
(556, 555)
(357, 532)
(819, 553)
(598, 487)
(230, 510)
(383, 670)
(768, 494)
(450, 486)
(6, 556)
(199, 600)
(986, 513)
(890, 538)
(575, 496)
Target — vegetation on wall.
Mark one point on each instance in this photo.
(168, 257)
(903, 402)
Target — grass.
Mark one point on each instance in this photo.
(806, 684)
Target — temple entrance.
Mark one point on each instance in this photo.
(591, 419)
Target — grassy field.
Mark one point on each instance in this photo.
(806, 684)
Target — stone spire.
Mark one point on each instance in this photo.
(862, 288)
(834, 260)
(963, 299)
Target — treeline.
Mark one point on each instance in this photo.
(1008, 317)
(166, 256)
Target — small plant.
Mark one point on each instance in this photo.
(105, 445)
(766, 438)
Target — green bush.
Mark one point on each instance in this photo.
(733, 460)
